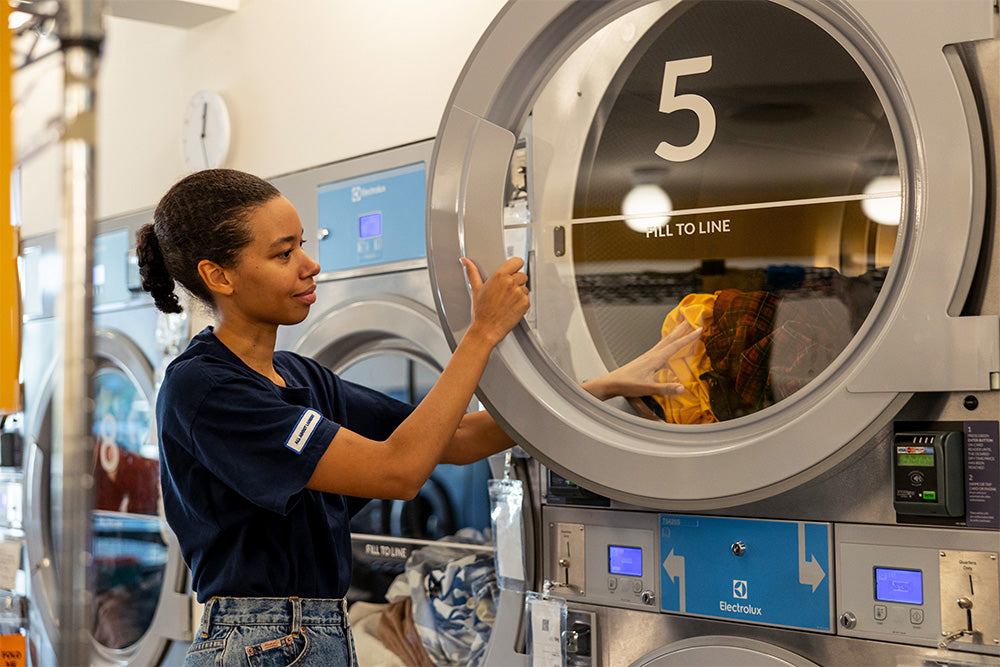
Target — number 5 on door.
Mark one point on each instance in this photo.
(670, 101)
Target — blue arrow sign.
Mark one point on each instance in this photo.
(782, 576)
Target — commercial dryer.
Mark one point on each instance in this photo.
(374, 323)
(811, 182)
(141, 607)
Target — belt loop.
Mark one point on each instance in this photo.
(206, 618)
(296, 614)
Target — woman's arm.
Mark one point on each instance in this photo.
(479, 436)
(398, 466)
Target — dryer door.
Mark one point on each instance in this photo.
(392, 343)
(721, 650)
(804, 180)
(139, 576)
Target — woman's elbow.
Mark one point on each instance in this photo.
(405, 487)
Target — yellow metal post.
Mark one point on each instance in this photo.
(10, 294)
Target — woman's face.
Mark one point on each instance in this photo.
(273, 281)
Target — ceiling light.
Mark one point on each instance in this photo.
(884, 204)
(646, 207)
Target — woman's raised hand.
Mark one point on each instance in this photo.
(638, 377)
(499, 303)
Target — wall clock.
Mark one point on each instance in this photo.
(207, 131)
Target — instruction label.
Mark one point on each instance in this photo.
(982, 469)
(721, 226)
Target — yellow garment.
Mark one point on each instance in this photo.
(687, 364)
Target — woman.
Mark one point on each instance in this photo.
(265, 455)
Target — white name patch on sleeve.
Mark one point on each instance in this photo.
(303, 430)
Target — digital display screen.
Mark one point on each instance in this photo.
(625, 560)
(892, 585)
(925, 460)
(370, 225)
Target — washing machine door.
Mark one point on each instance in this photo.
(804, 180)
(392, 343)
(715, 650)
(139, 576)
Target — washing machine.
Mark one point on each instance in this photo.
(142, 609)
(813, 184)
(374, 323)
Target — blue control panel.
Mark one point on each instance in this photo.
(751, 570)
(372, 219)
(110, 267)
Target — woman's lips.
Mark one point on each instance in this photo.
(308, 297)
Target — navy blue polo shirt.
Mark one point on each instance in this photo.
(236, 452)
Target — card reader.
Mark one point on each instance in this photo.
(927, 473)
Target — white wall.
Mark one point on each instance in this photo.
(307, 82)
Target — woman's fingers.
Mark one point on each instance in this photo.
(472, 274)
(499, 302)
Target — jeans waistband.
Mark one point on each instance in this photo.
(293, 612)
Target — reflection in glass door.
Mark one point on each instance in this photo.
(130, 539)
(130, 554)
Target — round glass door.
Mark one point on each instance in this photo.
(719, 184)
(394, 345)
(454, 497)
(750, 168)
(130, 547)
(129, 551)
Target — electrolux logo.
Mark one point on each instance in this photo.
(740, 591)
(749, 610)
(359, 192)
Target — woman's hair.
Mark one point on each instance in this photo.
(203, 216)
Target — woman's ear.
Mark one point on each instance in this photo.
(216, 278)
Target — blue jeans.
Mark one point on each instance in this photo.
(272, 632)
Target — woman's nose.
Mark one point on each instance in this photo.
(312, 266)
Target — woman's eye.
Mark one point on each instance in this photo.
(288, 253)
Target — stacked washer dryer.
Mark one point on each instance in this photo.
(374, 323)
(142, 609)
(827, 491)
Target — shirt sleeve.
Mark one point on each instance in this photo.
(257, 443)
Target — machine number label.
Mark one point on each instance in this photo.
(670, 102)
